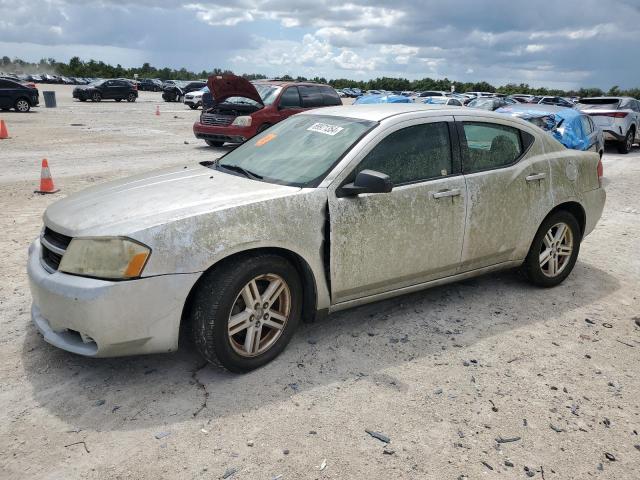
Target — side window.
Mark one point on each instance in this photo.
(487, 146)
(412, 154)
(455, 102)
(5, 84)
(635, 106)
(290, 98)
(586, 125)
(311, 96)
(330, 97)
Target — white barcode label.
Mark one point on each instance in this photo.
(325, 128)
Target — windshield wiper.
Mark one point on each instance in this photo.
(244, 171)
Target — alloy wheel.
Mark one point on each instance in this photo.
(22, 106)
(259, 315)
(556, 250)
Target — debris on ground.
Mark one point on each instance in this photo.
(380, 436)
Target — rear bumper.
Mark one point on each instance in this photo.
(100, 318)
(613, 135)
(593, 202)
(223, 133)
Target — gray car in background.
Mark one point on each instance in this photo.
(618, 117)
(326, 210)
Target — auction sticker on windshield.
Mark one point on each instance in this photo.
(325, 128)
(265, 139)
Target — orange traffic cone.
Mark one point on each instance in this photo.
(3, 130)
(157, 110)
(46, 182)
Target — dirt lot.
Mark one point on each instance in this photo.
(443, 373)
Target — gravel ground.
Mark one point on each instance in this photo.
(487, 378)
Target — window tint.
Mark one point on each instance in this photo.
(311, 96)
(290, 98)
(488, 146)
(455, 102)
(412, 154)
(6, 84)
(635, 106)
(330, 96)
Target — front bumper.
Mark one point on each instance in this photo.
(100, 318)
(223, 133)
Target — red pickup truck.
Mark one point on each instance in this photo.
(241, 108)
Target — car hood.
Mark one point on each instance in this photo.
(226, 86)
(129, 205)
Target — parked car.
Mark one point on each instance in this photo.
(150, 85)
(567, 125)
(454, 102)
(618, 117)
(176, 91)
(491, 103)
(522, 97)
(559, 101)
(327, 210)
(381, 98)
(194, 99)
(15, 94)
(106, 90)
(242, 108)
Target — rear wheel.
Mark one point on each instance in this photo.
(22, 105)
(131, 97)
(554, 250)
(245, 312)
(627, 144)
(212, 143)
(118, 99)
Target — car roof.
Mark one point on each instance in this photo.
(608, 98)
(379, 111)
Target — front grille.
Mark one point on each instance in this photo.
(217, 120)
(54, 245)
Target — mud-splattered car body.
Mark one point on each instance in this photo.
(348, 249)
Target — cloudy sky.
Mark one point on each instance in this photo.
(565, 43)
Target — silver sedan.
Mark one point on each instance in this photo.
(326, 210)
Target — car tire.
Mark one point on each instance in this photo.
(22, 105)
(213, 143)
(131, 97)
(96, 97)
(626, 145)
(193, 107)
(245, 312)
(5, 109)
(554, 250)
(82, 99)
(118, 99)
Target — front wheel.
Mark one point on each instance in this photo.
(96, 97)
(245, 312)
(212, 143)
(554, 250)
(627, 144)
(131, 97)
(193, 107)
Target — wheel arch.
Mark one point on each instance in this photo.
(309, 282)
(574, 208)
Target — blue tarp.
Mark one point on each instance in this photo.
(366, 99)
(562, 123)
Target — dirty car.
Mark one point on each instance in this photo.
(329, 209)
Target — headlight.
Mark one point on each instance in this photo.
(242, 121)
(112, 258)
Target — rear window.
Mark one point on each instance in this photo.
(600, 102)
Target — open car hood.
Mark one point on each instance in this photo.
(226, 86)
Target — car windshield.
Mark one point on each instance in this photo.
(298, 151)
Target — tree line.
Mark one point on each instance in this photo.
(92, 68)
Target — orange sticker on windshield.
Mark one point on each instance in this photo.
(265, 139)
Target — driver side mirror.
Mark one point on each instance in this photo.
(367, 181)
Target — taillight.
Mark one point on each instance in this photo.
(610, 114)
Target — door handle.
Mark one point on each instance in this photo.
(535, 176)
(446, 193)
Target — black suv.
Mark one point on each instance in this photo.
(175, 92)
(106, 89)
(14, 94)
(150, 85)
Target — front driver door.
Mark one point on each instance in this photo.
(387, 241)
